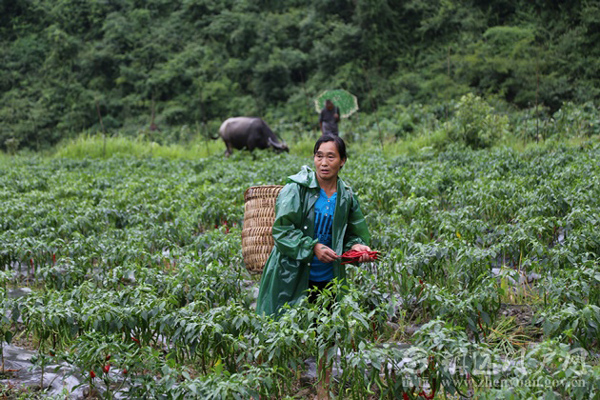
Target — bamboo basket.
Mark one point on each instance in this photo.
(259, 214)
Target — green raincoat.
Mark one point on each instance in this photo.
(285, 275)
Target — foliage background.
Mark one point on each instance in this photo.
(201, 61)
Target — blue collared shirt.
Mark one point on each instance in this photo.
(324, 208)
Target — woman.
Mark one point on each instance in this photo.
(317, 218)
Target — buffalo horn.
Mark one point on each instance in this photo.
(274, 143)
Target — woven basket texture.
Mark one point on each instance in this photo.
(259, 214)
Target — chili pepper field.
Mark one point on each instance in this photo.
(129, 271)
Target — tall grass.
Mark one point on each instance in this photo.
(7, 159)
(94, 146)
(521, 145)
(303, 147)
(436, 140)
(360, 138)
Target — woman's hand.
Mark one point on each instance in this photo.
(364, 257)
(324, 253)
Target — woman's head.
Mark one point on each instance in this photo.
(338, 141)
(329, 156)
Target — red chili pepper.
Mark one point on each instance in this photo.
(107, 357)
(106, 368)
(422, 287)
(480, 326)
(124, 371)
(53, 258)
(353, 256)
(374, 326)
(427, 396)
(405, 396)
(92, 374)
(135, 340)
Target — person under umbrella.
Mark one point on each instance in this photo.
(329, 119)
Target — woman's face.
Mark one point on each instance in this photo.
(328, 161)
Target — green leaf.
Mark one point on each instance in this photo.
(8, 335)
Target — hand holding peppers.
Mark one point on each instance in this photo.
(359, 253)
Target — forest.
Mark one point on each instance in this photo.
(186, 65)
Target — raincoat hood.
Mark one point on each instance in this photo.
(306, 177)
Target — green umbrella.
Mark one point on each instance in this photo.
(344, 100)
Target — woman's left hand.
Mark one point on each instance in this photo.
(364, 257)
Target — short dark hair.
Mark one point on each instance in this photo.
(339, 143)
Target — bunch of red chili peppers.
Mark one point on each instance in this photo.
(352, 256)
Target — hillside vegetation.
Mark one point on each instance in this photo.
(193, 63)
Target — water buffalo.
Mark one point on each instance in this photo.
(251, 133)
